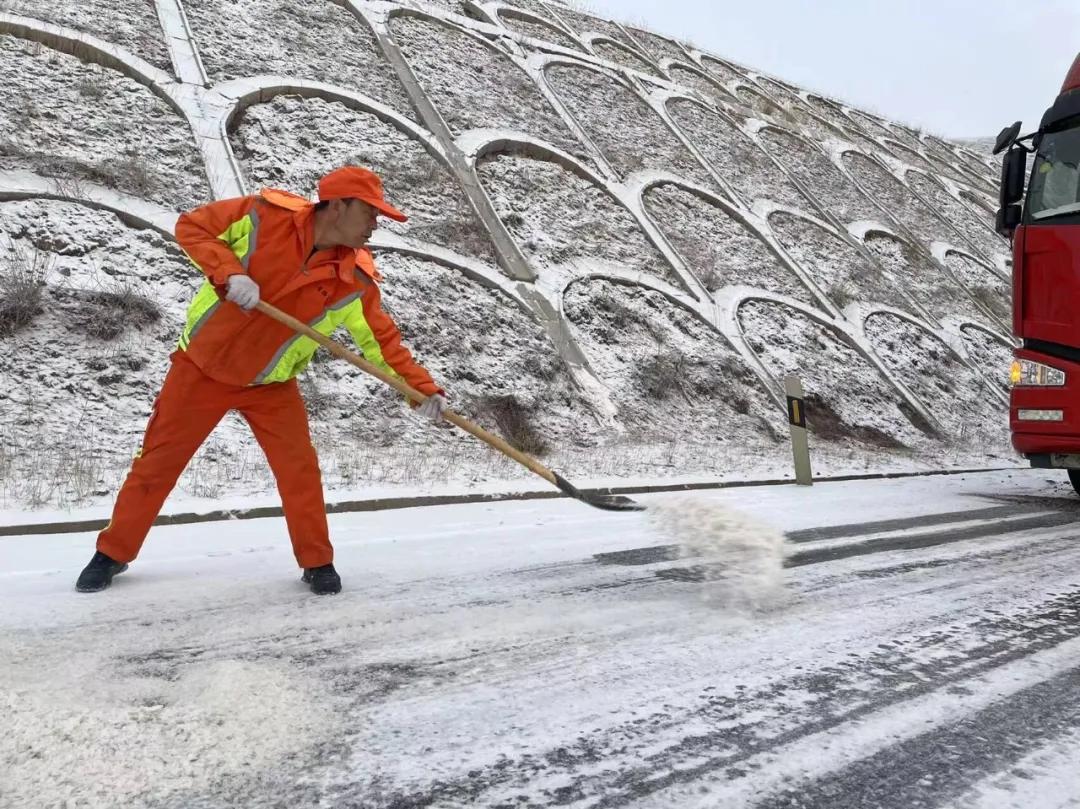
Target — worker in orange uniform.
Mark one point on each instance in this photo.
(310, 260)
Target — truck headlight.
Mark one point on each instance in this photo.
(1028, 373)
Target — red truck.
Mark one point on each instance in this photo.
(1043, 222)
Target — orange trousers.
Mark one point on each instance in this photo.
(186, 410)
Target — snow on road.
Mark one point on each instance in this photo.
(925, 651)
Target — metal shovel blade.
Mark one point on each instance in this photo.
(607, 502)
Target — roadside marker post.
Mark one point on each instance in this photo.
(800, 445)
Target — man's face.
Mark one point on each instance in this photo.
(356, 222)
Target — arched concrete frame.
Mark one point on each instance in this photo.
(952, 190)
(901, 175)
(949, 335)
(904, 155)
(239, 94)
(981, 205)
(477, 144)
(834, 107)
(90, 48)
(755, 127)
(509, 256)
(718, 178)
(749, 220)
(638, 41)
(660, 100)
(732, 337)
(131, 210)
(377, 20)
(863, 230)
(545, 63)
(965, 152)
(138, 213)
(642, 57)
(667, 66)
(537, 65)
(906, 135)
(788, 94)
(180, 43)
(973, 197)
(960, 326)
(866, 122)
(869, 310)
(556, 9)
(501, 12)
(854, 338)
(483, 274)
(487, 11)
(893, 227)
(842, 234)
(187, 100)
(626, 195)
(753, 89)
(699, 58)
(942, 250)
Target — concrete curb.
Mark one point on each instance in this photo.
(387, 503)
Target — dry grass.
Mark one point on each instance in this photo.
(24, 271)
(63, 471)
(107, 312)
(130, 172)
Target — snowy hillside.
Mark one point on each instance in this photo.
(618, 244)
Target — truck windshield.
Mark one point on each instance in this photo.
(1055, 179)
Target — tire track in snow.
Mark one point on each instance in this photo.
(940, 765)
(777, 714)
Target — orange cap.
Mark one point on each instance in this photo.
(353, 182)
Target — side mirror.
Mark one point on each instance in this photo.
(1013, 174)
(1007, 137)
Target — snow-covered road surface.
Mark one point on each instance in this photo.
(925, 653)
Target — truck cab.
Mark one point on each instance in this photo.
(1042, 217)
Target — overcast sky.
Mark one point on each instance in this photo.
(960, 68)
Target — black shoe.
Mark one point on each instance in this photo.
(98, 574)
(323, 580)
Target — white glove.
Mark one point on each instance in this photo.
(242, 291)
(433, 408)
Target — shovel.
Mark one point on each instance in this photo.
(603, 501)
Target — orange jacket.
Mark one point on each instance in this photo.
(270, 236)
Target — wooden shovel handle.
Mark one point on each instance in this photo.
(406, 389)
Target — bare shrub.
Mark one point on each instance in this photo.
(130, 172)
(318, 399)
(704, 259)
(514, 422)
(991, 299)
(23, 273)
(545, 367)
(842, 293)
(88, 88)
(661, 375)
(107, 312)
